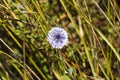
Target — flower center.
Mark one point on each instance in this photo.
(58, 36)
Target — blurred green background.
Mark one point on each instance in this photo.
(93, 51)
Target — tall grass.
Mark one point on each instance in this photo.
(93, 51)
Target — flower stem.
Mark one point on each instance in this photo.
(63, 61)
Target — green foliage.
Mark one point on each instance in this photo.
(94, 40)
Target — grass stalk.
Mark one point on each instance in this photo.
(82, 38)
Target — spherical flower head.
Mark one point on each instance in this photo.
(57, 37)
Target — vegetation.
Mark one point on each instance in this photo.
(93, 50)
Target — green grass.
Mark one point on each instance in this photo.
(93, 51)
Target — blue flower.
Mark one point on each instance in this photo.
(57, 37)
